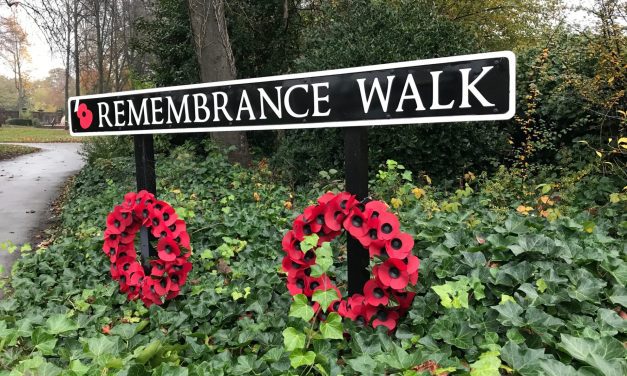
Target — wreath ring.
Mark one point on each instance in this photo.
(168, 272)
(385, 296)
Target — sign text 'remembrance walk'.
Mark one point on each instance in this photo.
(462, 88)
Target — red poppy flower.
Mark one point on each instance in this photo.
(116, 223)
(124, 264)
(124, 287)
(404, 299)
(129, 200)
(157, 226)
(413, 264)
(175, 230)
(382, 316)
(178, 279)
(356, 223)
(325, 198)
(370, 235)
(288, 265)
(297, 282)
(166, 212)
(377, 249)
(109, 251)
(346, 201)
(356, 309)
(115, 273)
(328, 237)
(136, 275)
(392, 273)
(158, 268)
(314, 216)
(400, 245)
(180, 265)
(333, 216)
(167, 249)
(124, 213)
(387, 226)
(124, 250)
(318, 283)
(127, 237)
(112, 239)
(374, 209)
(291, 245)
(375, 293)
(174, 291)
(149, 293)
(183, 239)
(85, 116)
(303, 228)
(133, 292)
(162, 286)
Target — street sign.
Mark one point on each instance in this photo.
(477, 87)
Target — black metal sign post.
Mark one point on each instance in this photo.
(146, 179)
(477, 87)
(356, 172)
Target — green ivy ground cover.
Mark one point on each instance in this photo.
(529, 285)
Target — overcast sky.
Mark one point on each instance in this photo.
(42, 60)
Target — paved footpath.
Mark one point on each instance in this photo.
(28, 184)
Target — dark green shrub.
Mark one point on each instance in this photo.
(22, 122)
(351, 34)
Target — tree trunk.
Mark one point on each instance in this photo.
(77, 68)
(68, 51)
(216, 61)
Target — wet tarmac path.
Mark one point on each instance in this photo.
(28, 184)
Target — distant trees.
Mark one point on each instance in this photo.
(14, 52)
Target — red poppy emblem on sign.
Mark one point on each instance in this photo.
(85, 116)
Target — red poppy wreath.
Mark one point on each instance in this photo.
(385, 297)
(169, 271)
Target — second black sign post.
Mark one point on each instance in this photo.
(477, 87)
(146, 179)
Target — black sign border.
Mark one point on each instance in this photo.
(509, 55)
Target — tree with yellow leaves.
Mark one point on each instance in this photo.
(14, 52)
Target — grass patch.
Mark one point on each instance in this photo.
(31, 134)
(12, 151)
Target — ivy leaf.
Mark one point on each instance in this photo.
(530, 243)
(293, 339)
(521, 359)
(100, 347)
(552, 367)
(309, 242)
(43, 341)
(332, 327)
(299, 358)
(619, 296)
(453, 294)
(606, 354)
(300, 308)
(246, 364)
(324, 260)
(80, 369)
(363, 365)
(398, 358)
(587, 288)
(325, 298)
(487, 365)
(58, 324)
(509, 314)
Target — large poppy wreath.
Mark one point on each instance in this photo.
(385, 297)
(169, 271)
